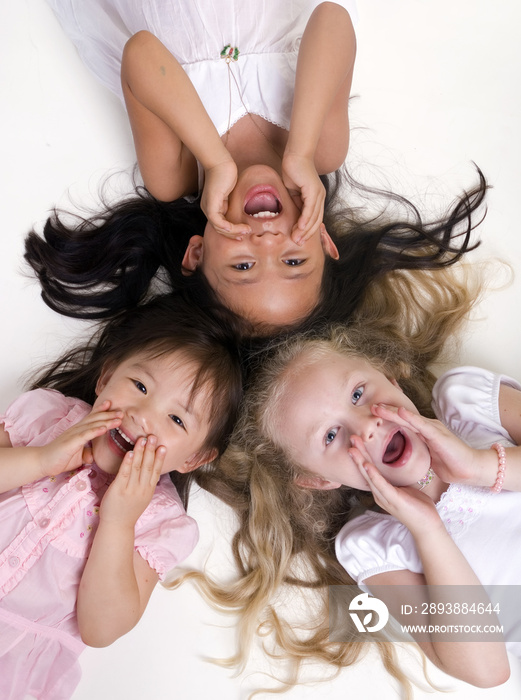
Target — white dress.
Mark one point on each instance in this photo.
(485, 526)
(266, 33)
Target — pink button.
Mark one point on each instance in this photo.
(81, 486)
(44, 522)
(14, 561)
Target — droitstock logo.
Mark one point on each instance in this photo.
(364, 603)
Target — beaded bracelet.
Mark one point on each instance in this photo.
(502, 465)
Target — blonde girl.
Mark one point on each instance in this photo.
(331, 420)
(90, 518)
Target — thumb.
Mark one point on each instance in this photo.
(87, 455)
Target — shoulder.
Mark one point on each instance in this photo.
(374, 543)
(38, 416)
(165, 533)
(466, 400)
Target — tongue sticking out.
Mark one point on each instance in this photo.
(394, 449)
(262, 202)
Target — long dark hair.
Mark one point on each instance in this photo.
(167, 324)
(96, 266)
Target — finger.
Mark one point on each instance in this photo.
(226, 228)
(308, 223)
(356, 441)
(159, 463)
(87, 457)
(147, 462)
(125, 469)
(137, 461)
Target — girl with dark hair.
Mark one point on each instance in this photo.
(239, 102)
(100, 265)
(90, 519)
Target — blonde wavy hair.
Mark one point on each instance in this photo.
(286, 533)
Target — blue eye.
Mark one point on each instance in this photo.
(243, 266)
(331, 435)
(357, 394)
(140, 386)
(294, 262)
(178, 421)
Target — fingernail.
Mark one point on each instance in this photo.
(143, 441)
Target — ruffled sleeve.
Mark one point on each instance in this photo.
(38, 416)
(375, 543)
(466, 400)
(165, 534)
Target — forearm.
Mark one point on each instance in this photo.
(484, 663)
(157, 80)
(325, 61)
(19, 466)
(109, 599)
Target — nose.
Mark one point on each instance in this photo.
(368, 426)
(141, 420)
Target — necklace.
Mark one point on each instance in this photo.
(426, 479)
(230, 54)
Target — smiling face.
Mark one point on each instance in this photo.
(327, 400)
(155, 396)
(265, 277)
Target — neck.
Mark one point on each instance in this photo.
(436, 488)
(254, 141)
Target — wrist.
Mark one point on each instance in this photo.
(218, 156)
(486, 470)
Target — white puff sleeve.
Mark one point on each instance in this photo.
(374, 543)
(466, 400)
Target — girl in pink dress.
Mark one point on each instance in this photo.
(90, 518)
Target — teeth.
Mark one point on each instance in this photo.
(125, 437)
(264, 215)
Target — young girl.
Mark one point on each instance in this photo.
(329, 419)
(89, 524)
(270, 115)
(244, 98)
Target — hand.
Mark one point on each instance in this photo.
(407, 504)
(132, 489)
(71, 449)
(301, 178)
(219, 181)
(452, 459)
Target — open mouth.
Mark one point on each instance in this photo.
(121, 440)
(262, 202)
(394, 450)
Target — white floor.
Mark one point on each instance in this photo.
(438, 88)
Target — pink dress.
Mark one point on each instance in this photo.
(46, 531)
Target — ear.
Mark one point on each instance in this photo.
(395, 383)
(317, 482)
(104, 378)
(193, 255)
(197, 460)
(327, 243)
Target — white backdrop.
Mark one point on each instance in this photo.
(437, 86)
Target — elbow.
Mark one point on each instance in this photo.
(97, 638)
(488, 677)
(134, 52)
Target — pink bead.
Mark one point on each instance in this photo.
(501, 458)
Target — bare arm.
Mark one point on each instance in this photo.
(117, 582)
(172, 129)
(482, 663)
(318, 138)
(23, 465)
